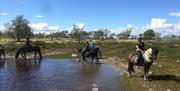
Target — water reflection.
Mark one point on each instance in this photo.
(57, 75)
(27, 65)
(89, 69)
(2, 62)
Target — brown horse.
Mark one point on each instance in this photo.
(148, 57)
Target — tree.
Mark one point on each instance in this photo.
(157, 35)
(140, 35)
(75, 33)
(99, 34)
(112, 35)
(106, 33)
(39, 35)
(9, 33)
(149, 34)
(21, 28)
(65, 33)
(125, 34)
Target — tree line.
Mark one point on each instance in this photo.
(19, 29)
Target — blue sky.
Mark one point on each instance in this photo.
(94, 14)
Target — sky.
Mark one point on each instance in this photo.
(117, 15)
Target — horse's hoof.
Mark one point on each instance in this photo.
(145, 79)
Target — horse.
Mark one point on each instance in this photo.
(29, 48)
(2, 53)
(148, 57)
(95, 53)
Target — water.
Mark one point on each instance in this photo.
(57, 75)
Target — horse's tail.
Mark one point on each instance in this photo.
(18, 52)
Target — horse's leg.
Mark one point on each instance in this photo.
(4, 54)
(25, 55)
(84, 60)
(145, 71)
(148, 67)
(92, 60)
(130, 69)
(0, 56)
(35, 55)
(97, 59)
(40, 55)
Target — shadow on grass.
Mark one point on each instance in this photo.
(165, 77)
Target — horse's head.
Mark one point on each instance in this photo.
(155, 52)
(79, 50)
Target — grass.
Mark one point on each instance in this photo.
(60, 55)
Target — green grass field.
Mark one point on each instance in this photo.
(166, 71)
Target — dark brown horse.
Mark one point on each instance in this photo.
(148, 58)
(94, 54)
(29, 48)
(2, 53)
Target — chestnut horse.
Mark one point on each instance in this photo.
(148, 57)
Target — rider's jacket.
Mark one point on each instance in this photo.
(141, 46)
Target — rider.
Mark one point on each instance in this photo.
(91, 45)
(87, 46)
(28, 42)
(140, 47)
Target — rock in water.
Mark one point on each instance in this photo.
(94, 89)
(74, 55)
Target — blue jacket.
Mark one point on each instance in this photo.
(91, 45)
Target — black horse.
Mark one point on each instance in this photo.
(29, 48)
(95, 53)
(2, 53)
(148, 57)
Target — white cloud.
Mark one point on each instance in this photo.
(79, 25)
(177, 14)
(43, 28)
(2, 28)
(40, 16)
(177, 26)
(157, 24)
(4, 14)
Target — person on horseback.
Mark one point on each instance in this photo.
(140, 48)
(91, 45)
(27, 42)
(87, 45)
